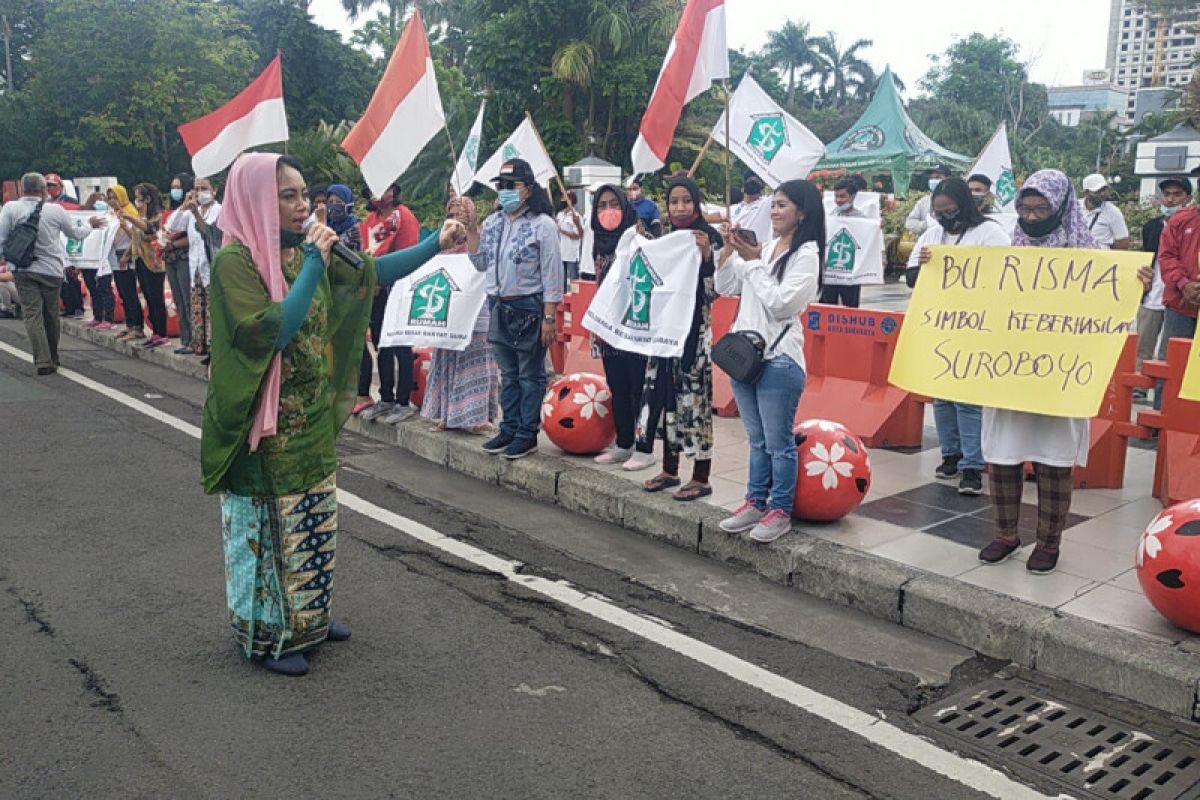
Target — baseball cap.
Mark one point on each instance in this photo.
(53, 179)
(516, 169)
(1094, 182)
(1176, 180)
(945, 169)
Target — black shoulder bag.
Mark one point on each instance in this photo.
(22, 239)
(743, 354)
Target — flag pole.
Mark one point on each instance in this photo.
(700, 156)
(728, 155)
(453, 156)
(566, 195)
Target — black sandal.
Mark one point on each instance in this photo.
(660, 482)
(693, 491)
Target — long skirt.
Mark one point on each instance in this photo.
(464, 387)
(201, 322)
(279, 558)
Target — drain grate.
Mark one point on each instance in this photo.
(1014, 721)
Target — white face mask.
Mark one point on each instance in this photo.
(844, 207)
(204, 198)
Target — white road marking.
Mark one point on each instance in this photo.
(966, 771)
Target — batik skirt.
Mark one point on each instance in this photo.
(279, 558)
(463, 390)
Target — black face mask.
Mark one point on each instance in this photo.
(951, 223)
(1041, 227)
(289, 239)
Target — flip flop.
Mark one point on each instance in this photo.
(660, 482)
(693, 491)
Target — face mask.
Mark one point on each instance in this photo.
(1093, 202)
(100, 205)
(844, 207)
(1168, 211)
(336, 214)
(204, 198)
(951, 223)
(510, 200)
(1041, 227)
(289, 239)
(609, 218)
(683, 221)
(934, 183)
(177, 195)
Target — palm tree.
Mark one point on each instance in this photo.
(841, 72)
(790, 50)
(396, 12)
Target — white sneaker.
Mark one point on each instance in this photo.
(745, 518)
(377, 410)
(639, 461)
(398, 414)
(775, 524)
(614, 455)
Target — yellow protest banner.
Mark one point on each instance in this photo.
(1190, 390)
(1023, 328)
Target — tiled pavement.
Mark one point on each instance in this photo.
(911, 517)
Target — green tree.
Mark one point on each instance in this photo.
(842, 73)
(790, 50)
(396, 13)
(21, 22)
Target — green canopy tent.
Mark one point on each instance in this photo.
(885, 138)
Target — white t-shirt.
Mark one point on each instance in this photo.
(920, 217)
(569, 247)
(197, 258)
(754, 215)
(768, 305)
(987, 234)
(1106, 223)
(1154, 298)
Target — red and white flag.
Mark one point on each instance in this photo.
(404, 113)
(697, 56)
(256, 116)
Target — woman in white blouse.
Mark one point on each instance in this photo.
(775, 284)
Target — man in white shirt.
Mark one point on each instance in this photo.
(38, 284)
(199, 215)
(1104, 220)
(844, 192)
(919, 218)
(570, 238)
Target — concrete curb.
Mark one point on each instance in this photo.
(1155, 673)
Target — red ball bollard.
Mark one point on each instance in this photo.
(835, 471)
(1168, 564)
(577, 414)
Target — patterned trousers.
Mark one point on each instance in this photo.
(1054, 501)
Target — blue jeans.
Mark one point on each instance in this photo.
(768, 412)
(1175, 326)
(959, 427)
(522, 382)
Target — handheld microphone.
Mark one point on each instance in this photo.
(340, 250)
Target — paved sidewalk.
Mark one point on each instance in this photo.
(1087, 622)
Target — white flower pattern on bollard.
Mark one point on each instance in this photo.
(1149, 545)
(591, 401)
(829, 464)
(547, 406)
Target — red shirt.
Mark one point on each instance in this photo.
(387, 232)
(1179, 258)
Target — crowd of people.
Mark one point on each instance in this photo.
(293, 338)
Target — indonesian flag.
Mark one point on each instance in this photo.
(697, 56)
(256, 116)
(404, 113)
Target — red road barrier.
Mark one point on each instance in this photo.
(724, 312)
(849, 353)
(1112, 426)
(1177, 469)
(572, 352)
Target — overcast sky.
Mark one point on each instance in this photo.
(1061, 37)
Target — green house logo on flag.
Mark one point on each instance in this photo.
(1006, 187)
(642, 280)
(471, 151)
(843, 253)
(431, 300)
(511, 151)
(74, 247)
(767, 137)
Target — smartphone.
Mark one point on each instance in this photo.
(746, 235)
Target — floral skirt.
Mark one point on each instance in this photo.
(463, 389)
(201, 323)
(279, 558)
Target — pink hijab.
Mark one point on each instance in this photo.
(250, 215)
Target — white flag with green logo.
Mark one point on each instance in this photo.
(766, 138)
(91, 252)
(645, 303)
(853, 251)
(464, 170)
(524, 143)
(996, 162)
(436, 306)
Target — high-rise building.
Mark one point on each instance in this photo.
(1135, 56)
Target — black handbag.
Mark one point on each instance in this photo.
(743, 354)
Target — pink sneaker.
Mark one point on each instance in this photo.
(91, 324)
(746, 517)
(104, 326)
(775, 524)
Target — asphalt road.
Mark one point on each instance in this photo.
(119, 679)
